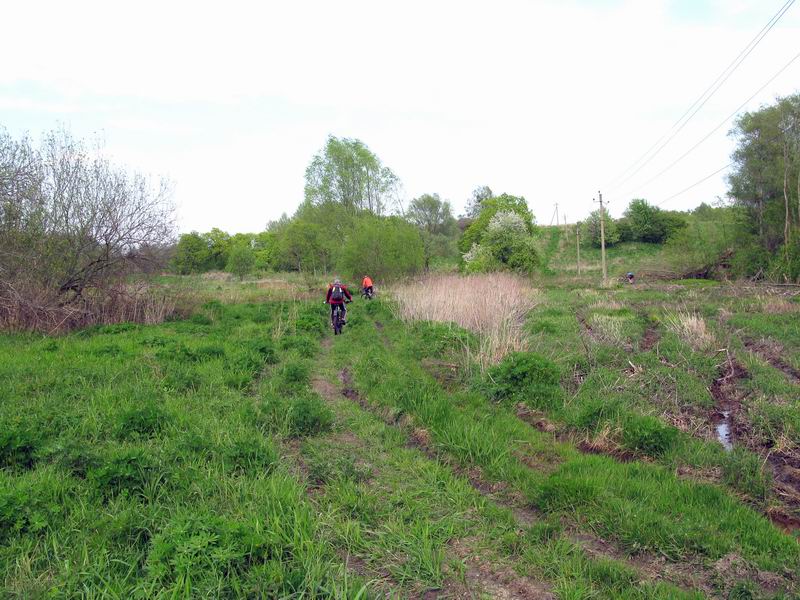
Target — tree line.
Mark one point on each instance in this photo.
(352, 221)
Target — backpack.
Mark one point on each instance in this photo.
(336, 293)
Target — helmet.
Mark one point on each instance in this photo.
(337, 280)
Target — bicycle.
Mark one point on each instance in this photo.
(368, 294)
(337, 319)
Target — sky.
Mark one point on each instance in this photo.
(548, 99)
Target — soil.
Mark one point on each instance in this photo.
(651, 337)
(728, 399)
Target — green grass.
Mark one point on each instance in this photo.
(198, 458)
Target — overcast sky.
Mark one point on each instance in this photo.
(550, 100)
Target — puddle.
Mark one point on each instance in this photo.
(724, 431)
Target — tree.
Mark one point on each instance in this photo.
(590, 230)
(71, 221)
(479, 194)
(346, 172)
(489, 208)
(219, 245)
(191, 254)
(506, 244)
(649, 223)
(436, 223)
(241, 259)
(383, 247)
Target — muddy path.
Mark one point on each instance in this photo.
(651, 337)
(650, 567)
(479, 574)
(730, 421)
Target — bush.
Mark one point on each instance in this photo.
(648, 435)
(525, 376)
(309, 415)
(29, 506)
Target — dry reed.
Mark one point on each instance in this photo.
(493, 306)
(692, 329)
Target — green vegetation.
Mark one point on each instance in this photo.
(245, 452)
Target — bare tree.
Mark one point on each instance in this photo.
(71, 221)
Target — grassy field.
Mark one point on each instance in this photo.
(571, 449)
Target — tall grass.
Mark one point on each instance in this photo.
(692, 329)
(493, 306)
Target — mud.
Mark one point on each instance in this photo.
(785, 465)
(726, 418)
(651, 337)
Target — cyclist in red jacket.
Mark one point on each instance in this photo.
(338, 295)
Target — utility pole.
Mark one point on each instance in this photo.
(603, 237)
(558, 222)
(578, 244)
(566, 230)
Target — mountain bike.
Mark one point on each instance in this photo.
(367, 293)
(337, 319)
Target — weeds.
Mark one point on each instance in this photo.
(692, 329)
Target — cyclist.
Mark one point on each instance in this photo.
(338, 295)
(629, 276)
(366, 285)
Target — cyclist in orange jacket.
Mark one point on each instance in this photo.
(366, 286)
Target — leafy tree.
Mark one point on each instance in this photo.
(649, 223)
(383, 247)
(241, 259)
(346, 172)
(219, 245)
(191, 254)
(506, 244)
(590, 230)
(436, 223)
(489, 208)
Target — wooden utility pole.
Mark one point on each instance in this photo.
(603, 237)
(578, 244)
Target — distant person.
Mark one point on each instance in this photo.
(366, 286)
(338, 295)
(630, 278)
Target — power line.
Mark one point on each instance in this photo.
(707, 177)
(701, 100)
(721, 123)
(695, 184)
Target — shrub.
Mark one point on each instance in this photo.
(524, 376)
(309, 415)
(199, 319)
(649, 435)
